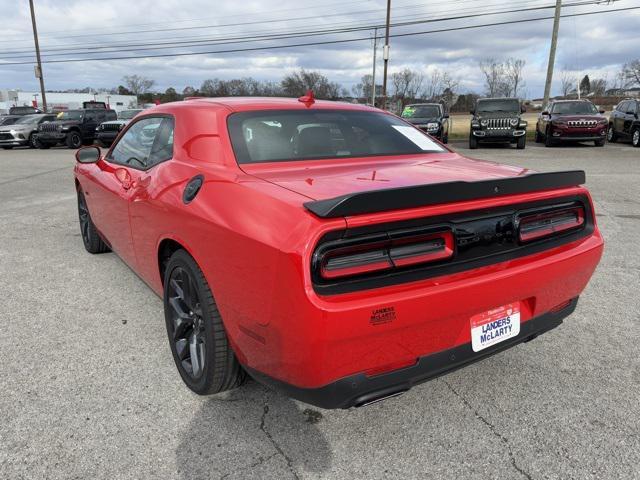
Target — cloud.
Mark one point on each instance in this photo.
(586, 44)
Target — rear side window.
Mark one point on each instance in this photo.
(146, 143)
(287, 135)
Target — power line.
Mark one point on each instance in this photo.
(80, 47)
(327, 42)
(252, 39)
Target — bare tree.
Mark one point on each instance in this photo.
(514, 81)
(363, 88)
(599, 86)
(297, 83)
(493, 72)
(137, 84)
(631, 72)
(406, 84)
(434, 85)
(568, 83)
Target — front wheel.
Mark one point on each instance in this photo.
(548, 139)
(33, 141)
(473, 142)
(611, 134)
(635, 138)
(90, 237)
(74, 140)
(522, 142)
(197, 337)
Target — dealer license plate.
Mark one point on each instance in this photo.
(495, 326)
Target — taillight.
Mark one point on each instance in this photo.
(402, 251)
(546, 224)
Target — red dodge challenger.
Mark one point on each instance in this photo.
(331, 250)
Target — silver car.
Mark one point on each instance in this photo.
(24, 131)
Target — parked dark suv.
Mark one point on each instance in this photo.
(107, 132)
(498, 120)
(624, 122)
(571, 121)
(430, 118)
(73, 127)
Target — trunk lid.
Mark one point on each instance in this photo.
(323, 179)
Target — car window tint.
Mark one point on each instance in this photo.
(632, 107)
(135, 146)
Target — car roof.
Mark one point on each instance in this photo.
(238, 104)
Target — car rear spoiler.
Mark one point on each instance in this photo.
(423, 195)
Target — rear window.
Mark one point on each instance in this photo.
(287, 135)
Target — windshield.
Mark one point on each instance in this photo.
(70, 115)
(574, 108)
(127, 114)
(421, 111)
(506, 105)
(285, 135)
(27, 119)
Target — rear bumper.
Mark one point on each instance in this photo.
(360, 389)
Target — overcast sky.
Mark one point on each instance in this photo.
(596, 45)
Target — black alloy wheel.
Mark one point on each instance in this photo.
(33, 141)
(90, 237)
(611, 134)
(199, 344)
(187, 322)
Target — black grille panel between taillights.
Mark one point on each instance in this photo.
(388, 254)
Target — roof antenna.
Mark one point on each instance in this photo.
(308, 99)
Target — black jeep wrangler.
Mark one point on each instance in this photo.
(498, 120)
(73, 128)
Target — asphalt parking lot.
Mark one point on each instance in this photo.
(89, 388)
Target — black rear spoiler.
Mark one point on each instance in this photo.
(423, 195)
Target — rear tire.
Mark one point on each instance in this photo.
(635, 137)
(522, 142)
(473, 142)
(73, 140)
(90, 237)
(538, 137)
(199, 344)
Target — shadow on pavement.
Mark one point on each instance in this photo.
(251, 432)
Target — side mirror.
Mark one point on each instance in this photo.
(523, 109)
(545, 113)
(88, 154)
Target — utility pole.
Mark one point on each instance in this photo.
(373, 75)
(385, 56)
(39, 74)
(552, 52)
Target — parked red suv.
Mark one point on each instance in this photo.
(571, 121)
(331, 250)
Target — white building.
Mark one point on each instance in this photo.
(63, 101)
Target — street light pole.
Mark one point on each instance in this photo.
(385, 56)
(39, 67)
